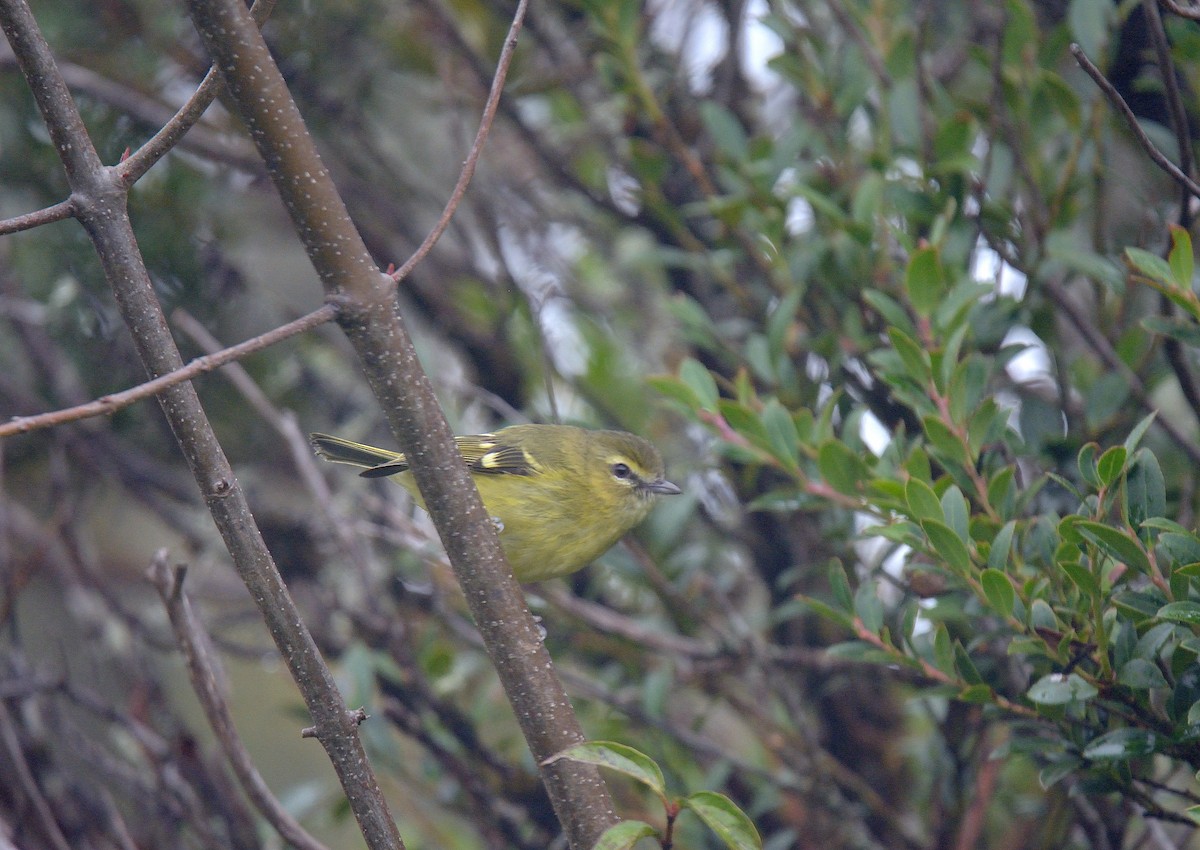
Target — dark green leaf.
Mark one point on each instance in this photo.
(842, 468)
(1141, 675)
(1180, 612)
(943, 650)
(1145, 489)
(1086, 461)
(839, 584)
(1111, 464)
(947, 545)
(954, 506)
(868, 607)
(1139, 430)
(1081, 577)
(781, 431)
(916, 361)
(924, 280)
(923, 503)
(999, 591)
(1116, 543)
(1001, 544)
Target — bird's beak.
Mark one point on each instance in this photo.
(662, 487)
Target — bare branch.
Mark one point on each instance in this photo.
(100, 196)
(109, 404)
(367, 313)
(1190, 11)
(485, 127)
(200, 657)
(58, 212)
(1116, 100)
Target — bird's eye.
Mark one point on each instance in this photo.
(621, 470)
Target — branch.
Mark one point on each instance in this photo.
(1116, 100)
(368, 314)
(109, 404)
(198, 654)
(99, 194)
(468, 169)
(1175, 8)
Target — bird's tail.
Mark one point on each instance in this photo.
(356, 454)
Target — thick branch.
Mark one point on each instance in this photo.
(365, 298)
(99, 196)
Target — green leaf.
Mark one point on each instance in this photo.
(1055, 689)
(948, 545)
(1060, 769)
(781, 431)
(943, 650)
(1141, 674)
(1139, 430)
(842, 468)
(954, 506)
(1180, 612)
(1145, 489)
(917, 364)
(1086, 461)
(1181, 259)
(618, 757)
(868, 607)
(724, 818)
(924, 280)
(744, 421)
(701, 382)
(977, 694)
(1081, 577)
(725, 129)
(999, 591)
(827, 611)
(944, 440)
(624, 835)
(923, 503)
(1150, 265)
(1001, 544)
(1182, 548)
(1111, 465)
(893, 314)
(1116, 543)
(839, 584)
(1182, 328)
(676, 390)
(1121, 744)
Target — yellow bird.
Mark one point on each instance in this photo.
(561, 496)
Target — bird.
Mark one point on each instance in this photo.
(560, 495)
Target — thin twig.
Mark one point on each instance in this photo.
(58, 212)
(1190, 12)
(165, 139)
(468, 169)
(106, 405)
(198, 654)
(1116, 100)
(35, 804)
(1100, 344)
